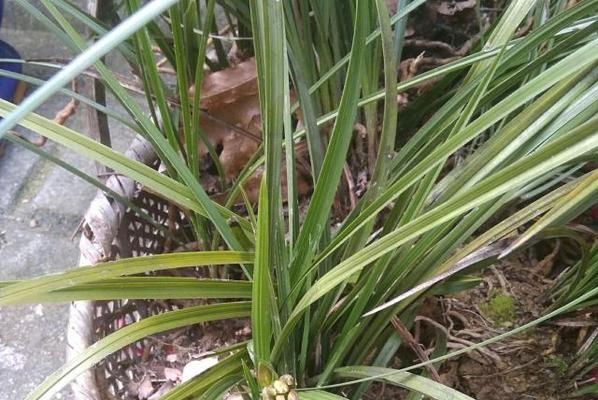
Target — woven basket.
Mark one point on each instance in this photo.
(110, 231)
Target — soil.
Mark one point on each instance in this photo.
(513, 368)
(540, 363)
(164, 357)
(537, 364)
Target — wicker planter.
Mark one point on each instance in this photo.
(110, 232)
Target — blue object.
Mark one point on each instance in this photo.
(8, 86)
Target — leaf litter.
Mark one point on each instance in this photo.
(535, 363)
(231, 120)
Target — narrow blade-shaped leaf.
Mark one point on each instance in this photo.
(130, 266)
(132, 333)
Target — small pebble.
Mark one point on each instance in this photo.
(196, 367)
(172, 374)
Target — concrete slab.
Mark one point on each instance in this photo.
(31, 347)
(31, 336)
(16, 165)
(29, 250)
(16, 17)
(20, 168)
(40, 208)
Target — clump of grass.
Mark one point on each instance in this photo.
(559, 364)
(500, 309)
(516, 129)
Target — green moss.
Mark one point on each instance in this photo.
(559, 363)
(500, 309)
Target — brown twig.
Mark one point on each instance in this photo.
(92, 73)
(545, 264)
(162, 62)
(166, 70)
(77, 229)
(68, 111)
(221, 32)
(434, 44)
(485, 351)
(134, 87)
(60, 118)
(350, 186)
(525, 29)
(410, 66)
(501, 279)
(469, 43)
(408, 338)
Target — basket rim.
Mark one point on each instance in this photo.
(100, 227)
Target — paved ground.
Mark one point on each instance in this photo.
(40, 208)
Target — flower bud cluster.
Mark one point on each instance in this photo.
(282, 388)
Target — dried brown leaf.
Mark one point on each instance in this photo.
(231, 120)
(228, 85)
(145, 388)
(453, 7)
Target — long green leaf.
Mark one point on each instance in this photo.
(325, 190)
(93, 181)
(166, 150)
(96, 51)
(269, 44)
(196, 130)
(586, 190)
(231, 365)
(428, 387)
(565, 308)
(377, 184)
(502, 109)
(153, 180)
(144, 288)
(261, 304)
(79, 97)
(389, 124)
(579, 141)
(130, 266)
(319, 395)
(152, 83)
(131, 334)
(94, 24)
